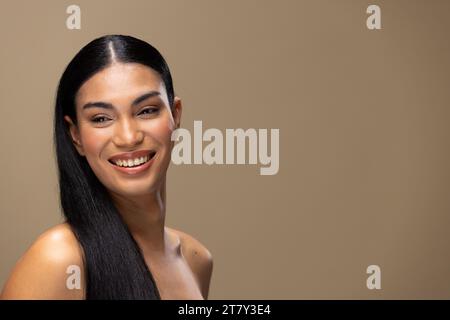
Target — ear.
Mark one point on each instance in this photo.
(176, 111)
(75, 135)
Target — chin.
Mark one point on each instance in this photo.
(136, 188)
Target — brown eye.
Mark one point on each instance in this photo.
(147, 111)
(99, 119)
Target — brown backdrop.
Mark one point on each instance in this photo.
(364, 137)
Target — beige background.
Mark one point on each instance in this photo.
(364, 137)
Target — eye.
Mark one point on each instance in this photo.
(100, 119)
(148, 111)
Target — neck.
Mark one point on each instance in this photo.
(145, 218)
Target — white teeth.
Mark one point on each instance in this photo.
(132, 162)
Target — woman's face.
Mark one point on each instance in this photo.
(125, 108)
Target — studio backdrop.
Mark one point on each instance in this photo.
(340, 188)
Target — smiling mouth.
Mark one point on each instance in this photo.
(133, 163)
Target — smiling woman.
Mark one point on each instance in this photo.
(114, 115)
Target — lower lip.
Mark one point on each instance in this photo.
(135, 170)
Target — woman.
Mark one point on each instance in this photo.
(114, 117)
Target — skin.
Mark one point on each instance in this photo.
(180, 264)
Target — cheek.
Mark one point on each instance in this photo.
(161, 131)
(93, 141)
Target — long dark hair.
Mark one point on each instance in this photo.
(113, 262)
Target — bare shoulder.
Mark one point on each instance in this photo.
(199, 259)
(42, 272)
(192, 246)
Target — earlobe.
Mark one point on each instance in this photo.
(74, 135)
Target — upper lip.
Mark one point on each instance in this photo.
(131, 155)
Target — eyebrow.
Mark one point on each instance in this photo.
(109, 106)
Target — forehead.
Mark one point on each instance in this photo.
(120, 83)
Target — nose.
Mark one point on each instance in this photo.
(127, 134)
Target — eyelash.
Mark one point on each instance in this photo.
(96, 119)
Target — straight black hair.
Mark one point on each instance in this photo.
(113, 262)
